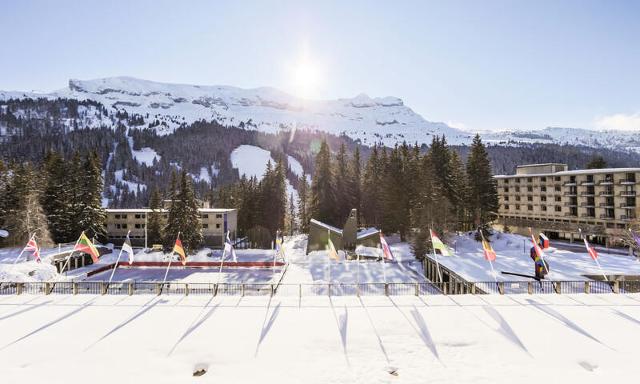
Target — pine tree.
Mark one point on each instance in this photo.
(92, 217)
(55, 197)
(322, 188)
(291, 216)
(371, 189)
(459, 191)
(154, 219)
(483, 195)
(355, 185)
(303, 201)
(184, 217)
(343, 184)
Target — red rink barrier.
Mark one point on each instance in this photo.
(190, 264)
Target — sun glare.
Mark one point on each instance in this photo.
(306, 78)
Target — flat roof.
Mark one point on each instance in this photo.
(147, 210)
(575, 172)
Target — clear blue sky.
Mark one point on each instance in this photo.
(484, 65)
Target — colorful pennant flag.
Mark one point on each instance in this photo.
(489, 253)
(590, 249)
(635, 236)
(436, 243)
(228, 248)
(177, 248)
(126, 247)
(85, 245)
(32, 246)
(332, 250)
(538, 250)
(386, 251)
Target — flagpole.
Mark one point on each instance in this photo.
(71, 254)
(435, 255)
(116, 266)
(329, 260)
(23, 249)
(224, 250)
(168, 265)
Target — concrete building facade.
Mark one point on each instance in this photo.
(215, 223)
(549, 197)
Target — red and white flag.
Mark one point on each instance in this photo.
(386, 251)
(591, 250)
(32, 246)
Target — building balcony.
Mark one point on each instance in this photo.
(606, 193)
(627, 217)
(607, 217)
(570, 204)
(606, 205)
(570, 184)
(627, 193)
(569, 214)
(627, 181)
(586, 215)
(627, 206)
(605, 182)
(587, 194)
(570, 194)
(587, 183)
(587, 205)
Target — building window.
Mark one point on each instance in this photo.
(117, 216)
(529, 198)
(137, 215)
(506, 181)
(506, 189)
(543, 198)
(506, 206)
(557, 188)
(529, 179)
(530, 207)
(517, 189)
(544, 207)
(205, 215)
(517, 198)
(543, 178)
(205, 226)
(218, 216)
(218, 226)
(557, 178)
(543, 188)
(558, 208)
(517, 206)
(124, 226)
(124, 216)
(139, 226)
(118, 226)
(506, 198)
(529, 189)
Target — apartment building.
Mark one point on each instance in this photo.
(215, 223)
(549, 197)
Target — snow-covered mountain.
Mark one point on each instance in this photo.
(620, 140)
(371, 120)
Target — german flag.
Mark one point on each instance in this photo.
(177, 248)
(85, 245)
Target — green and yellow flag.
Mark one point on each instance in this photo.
(85, 245)
(332, 250)
(436, 243)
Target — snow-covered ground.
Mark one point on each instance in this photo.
(513, 256)
(439, 339)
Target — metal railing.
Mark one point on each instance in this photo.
(453, 287)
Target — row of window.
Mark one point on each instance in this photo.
(608, 225)
(629, 177)
(530, 198)
(557, 208)
(143, 216)
(142, 226)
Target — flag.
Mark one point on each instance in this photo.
(590, 249)
(33, 246)
(177, 248)
(332, 250)
(436, 243)
(538, 250)
(85, 245)
(279, 250)
(489, 253)
(126, 247)
(635, 236)
(386, 251)
(228, 248)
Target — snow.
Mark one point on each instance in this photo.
(296, 167)
(133, 186)
(251, 160)
(513, 256)
(145, 156)
(461, 339)
(205, 174)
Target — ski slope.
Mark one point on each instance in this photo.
(440, 339)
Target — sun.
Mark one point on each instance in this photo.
(306, 78)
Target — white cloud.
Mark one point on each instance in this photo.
(620, 122)
(458, 124)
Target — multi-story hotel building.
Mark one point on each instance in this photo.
(215, 223)
(549, 197)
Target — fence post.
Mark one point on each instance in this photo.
(358, 290)
(501, 287)
(616, 287)
(19, 287)
(186, 289)
(47, 288)
(103, 288)
(587, 287)
(300, 290)
(242, 290)
(530, 287)
(558, 287)
(158, 288)
(130, 289)
(473, 288)
(417, 286)
(444, 288)
(329, 291)
(74, 288)
(272, 290)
